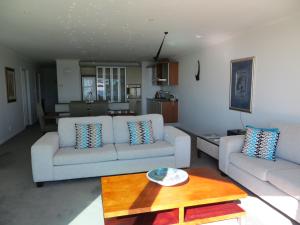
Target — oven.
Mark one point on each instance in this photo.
(133, 91)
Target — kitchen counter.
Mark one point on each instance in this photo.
(161, 100)
(64, 107)
(166, 107)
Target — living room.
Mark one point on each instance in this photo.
(232, 68)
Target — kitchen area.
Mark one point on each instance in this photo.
(118, 85)
(117, 88)
(85, 87)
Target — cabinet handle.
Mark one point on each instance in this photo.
(161, 79)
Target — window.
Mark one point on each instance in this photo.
(111, 83)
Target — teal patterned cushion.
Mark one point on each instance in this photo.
(140, 132)
(261, 142)
(82, 131)
(88, 136)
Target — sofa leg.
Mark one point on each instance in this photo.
(39, 184)
(198, 153)
(223, 174)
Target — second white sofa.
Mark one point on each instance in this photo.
(277, 182)
(55, 158)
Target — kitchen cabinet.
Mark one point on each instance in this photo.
(165, 73)
(168, 109)
(88, 71)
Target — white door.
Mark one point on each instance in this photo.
(38, 88)
(26, 97)
(29, 91)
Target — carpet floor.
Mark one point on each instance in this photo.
(78, 202)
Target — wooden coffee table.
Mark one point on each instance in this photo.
(205, 197)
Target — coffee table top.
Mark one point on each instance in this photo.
(134, 193)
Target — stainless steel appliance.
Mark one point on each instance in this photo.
(133, 91)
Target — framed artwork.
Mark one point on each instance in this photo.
(242, 71)
(10, 84)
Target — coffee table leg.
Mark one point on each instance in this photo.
(241, 220)
(181, 215)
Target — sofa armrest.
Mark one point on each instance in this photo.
(42, 152)
(228, 145)
(182, 143)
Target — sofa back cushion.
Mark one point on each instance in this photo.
(121, 131)
(67, 132)
(288, 147)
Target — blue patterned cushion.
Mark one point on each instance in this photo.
(95, 131)
(261, 142)
(88, 135)
(140, 132)
(82, 131)
(135, 133)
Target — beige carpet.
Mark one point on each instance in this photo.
(77, 202)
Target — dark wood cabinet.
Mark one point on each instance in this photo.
(165, 73)
(170, 112)
(168, 109)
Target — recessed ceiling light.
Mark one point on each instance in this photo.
(198, 36)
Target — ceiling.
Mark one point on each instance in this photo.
(128, 30)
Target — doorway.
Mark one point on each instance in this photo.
(48, 87)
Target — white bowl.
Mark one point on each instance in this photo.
(167, 176)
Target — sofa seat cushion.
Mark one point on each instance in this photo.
(287, 181)
(69, 155)
(157, 149)
(259, 167)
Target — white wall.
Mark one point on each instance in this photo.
(148, 90)
(68, 80)
(11, 114)
(203, 105)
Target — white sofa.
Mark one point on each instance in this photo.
(277, 182)
(55, 158)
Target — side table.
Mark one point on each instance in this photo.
(208, 144)
(236, 132)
